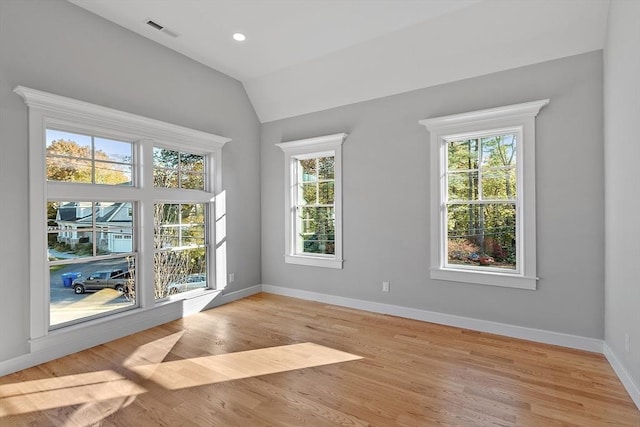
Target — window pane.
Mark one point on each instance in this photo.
(193, 181)
(192, 213)
(74, 227)
(180, 242)
(462, 155)
(61, 214)
(309, 170)
(173, 169)
(114, 151)
(499, 151)
(69, 244)
(482, 235)
(166, 213)
(68, 144)
(69, 170)
(90, 289)
(191, 162)
(317, 230)
(114, 240)
(326, 193)
(164, 158)
(326, 168)
(309, 194)
(462, 185)
(499, 184)
(86, 159)
(113, 174)
(165, 178)
(179, 271)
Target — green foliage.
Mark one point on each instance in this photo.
(318, 230)
(68, 161)
(61, 246)
(482, 170)
(317, 193)
(173, 169)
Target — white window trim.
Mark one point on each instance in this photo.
(520, 117)
(294, 150)
(49, 110)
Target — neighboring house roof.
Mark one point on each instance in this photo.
(115, 213)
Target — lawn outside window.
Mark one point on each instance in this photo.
(483, 196)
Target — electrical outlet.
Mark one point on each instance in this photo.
(232, 277)
(627, 342)
(385, 286)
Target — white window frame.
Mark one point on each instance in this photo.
(519, 119)
(47, 110)
(329, 145)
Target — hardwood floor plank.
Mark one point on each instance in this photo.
(269, 360)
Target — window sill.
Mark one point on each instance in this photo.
(488, 278)
(313, 261)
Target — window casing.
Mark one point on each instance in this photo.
(483, 196)
(313, 201)
(134, 195)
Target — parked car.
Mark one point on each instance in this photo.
(192, 281)
(119, 280)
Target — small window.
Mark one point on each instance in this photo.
(314, 205)
(313, 202)
(483, 196)
(175, 169)
(180, 258)
(74, 157)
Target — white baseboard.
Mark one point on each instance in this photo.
(627, 380)
(537, 335)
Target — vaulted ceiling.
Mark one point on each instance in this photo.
(302, 56)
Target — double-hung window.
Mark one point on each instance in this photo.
(483, 196)
(91, 226)
(122, 214)
(313, 208)
(180, 229)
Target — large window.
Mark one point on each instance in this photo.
(313, 201)
(123, 205)
(483, 196)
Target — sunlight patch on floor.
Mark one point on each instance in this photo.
(49, 393)
(102, 392)
(154, 351)
(200, 371)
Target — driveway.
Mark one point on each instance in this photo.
(66, 305)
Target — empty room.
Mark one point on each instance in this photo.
(319, 213)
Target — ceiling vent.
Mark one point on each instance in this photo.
(162, 28)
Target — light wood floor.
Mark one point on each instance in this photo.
(274, 361)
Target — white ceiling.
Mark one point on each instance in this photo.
(302, 56)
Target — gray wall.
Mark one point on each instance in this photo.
(622, 183)
(57, 47)
(386, 199)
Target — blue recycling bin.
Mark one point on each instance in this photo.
(68, 278)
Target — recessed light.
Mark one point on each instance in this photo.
(239, 37)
